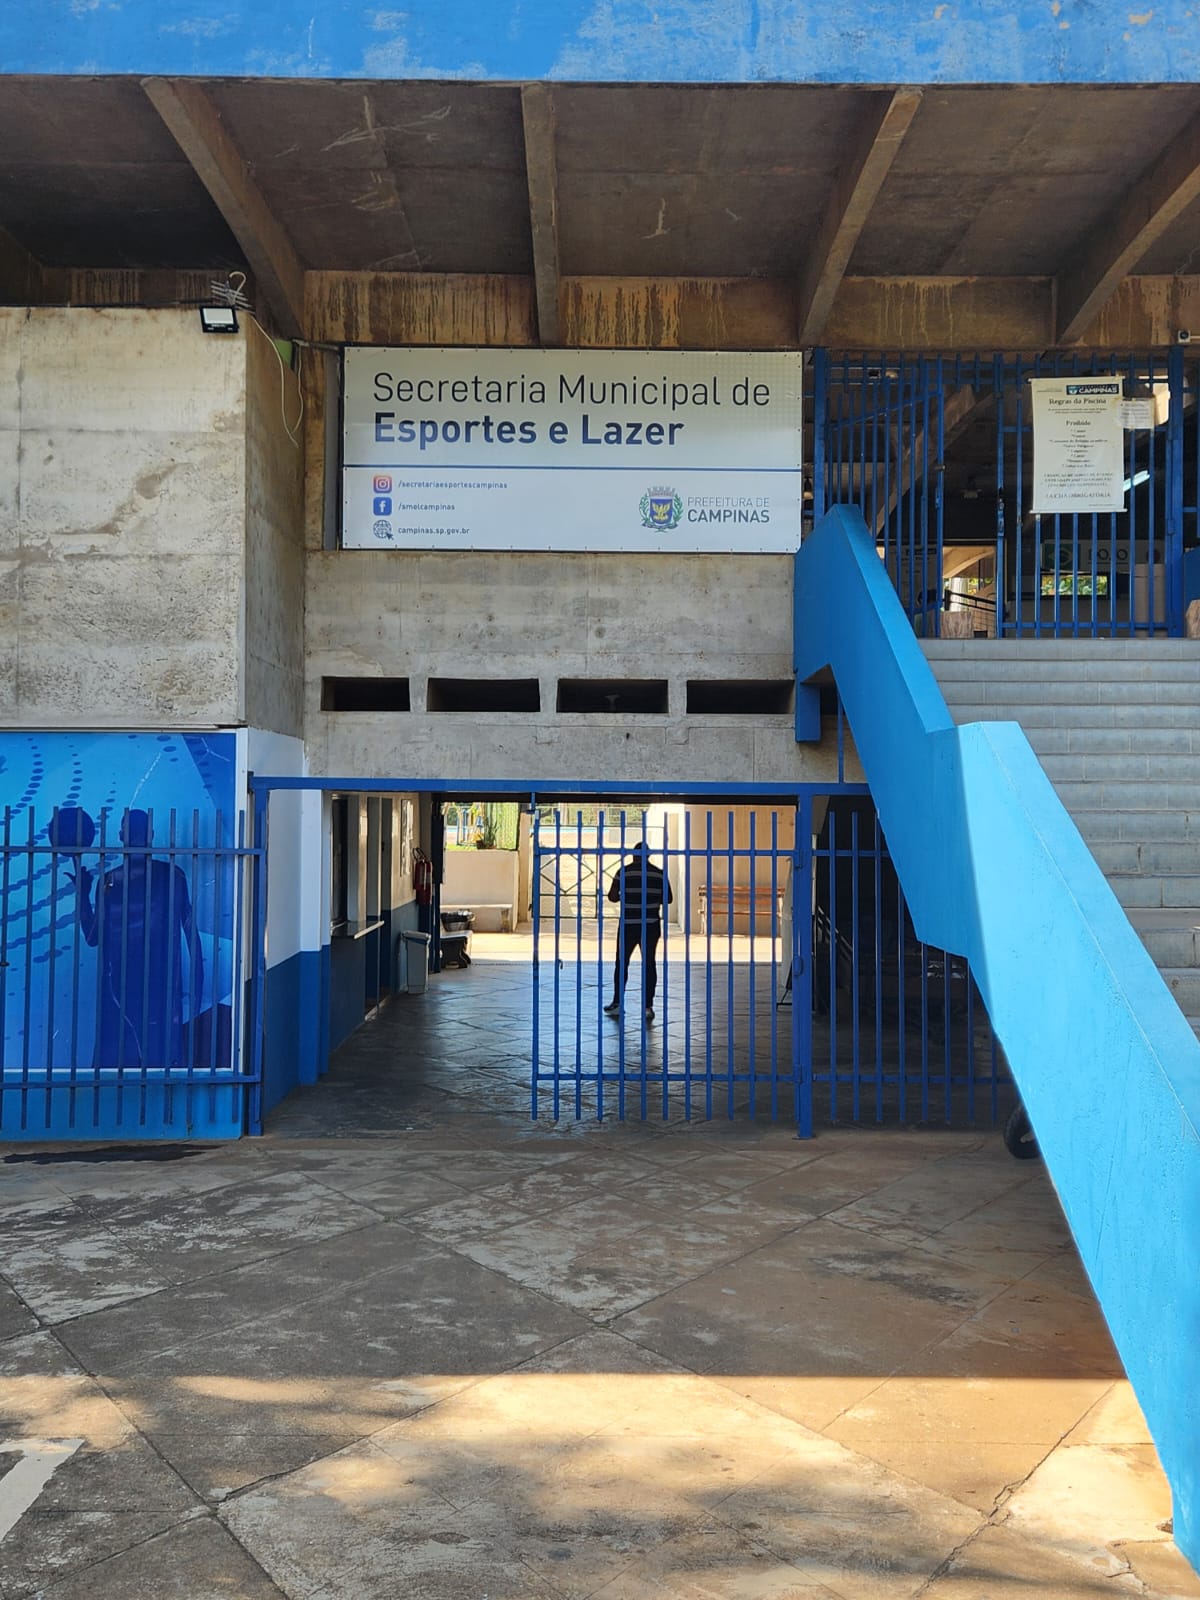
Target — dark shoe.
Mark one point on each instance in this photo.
(649, 1013)
(613, 1008)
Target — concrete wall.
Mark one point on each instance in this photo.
(395, 614)
(486, 877)
(714, 41)
(122, 506)
(274, 625)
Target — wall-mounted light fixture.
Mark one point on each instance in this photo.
(218, 319)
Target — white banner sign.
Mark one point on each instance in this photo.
(1078, 445)
(571, 450)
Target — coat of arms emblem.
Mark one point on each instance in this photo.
(661, 508)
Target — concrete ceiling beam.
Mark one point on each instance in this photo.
(664, 313)
(855, 190)
(195, 124)
(541, 169)
(1126, 233)
(21, 274)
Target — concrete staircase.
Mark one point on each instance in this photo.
(1116, 725)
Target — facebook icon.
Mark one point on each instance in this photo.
(382, 505)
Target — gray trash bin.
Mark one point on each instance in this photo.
(415, 954)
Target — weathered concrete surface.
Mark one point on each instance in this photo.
(121, 459)
(151, 568)
(548, 617)
(411, 1344)
(274, 619)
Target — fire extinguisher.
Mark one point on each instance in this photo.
(422, 878)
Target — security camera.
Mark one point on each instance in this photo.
(1183, 336)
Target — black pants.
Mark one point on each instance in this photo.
(628, 939)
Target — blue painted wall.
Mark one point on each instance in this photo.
(292, 1041)
(708, 41)
(994, 869)
(347, 988)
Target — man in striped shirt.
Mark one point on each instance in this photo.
(641, 890)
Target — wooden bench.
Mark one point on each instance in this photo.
(502, 908)
(767, 918)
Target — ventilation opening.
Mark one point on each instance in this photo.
(738, 697)
(625, 696)
(483, 694)
(364, 694)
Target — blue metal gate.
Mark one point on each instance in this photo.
(775, 973)
(937, 452)
(123, 940)
(697, 1029)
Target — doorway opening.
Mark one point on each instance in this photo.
(678, 957)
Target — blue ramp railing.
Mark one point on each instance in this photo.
(994, 869)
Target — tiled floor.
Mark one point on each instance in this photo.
(411, 1344)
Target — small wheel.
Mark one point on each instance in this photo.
(1019, 1138)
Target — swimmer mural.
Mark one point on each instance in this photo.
(120, 900)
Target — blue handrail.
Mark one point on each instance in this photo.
(994, 869)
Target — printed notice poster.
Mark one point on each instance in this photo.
(571, 450)
(1078, 445)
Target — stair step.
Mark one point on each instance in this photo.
(1052, 741)
(1184, 984)
(1101, 825)
(1151, 890)
(1151, 857)
(1071, 670)
(947, 650)
(968, 707)
(1116, 796)
(1172, 937)
(1009, 691)
(1124, 767)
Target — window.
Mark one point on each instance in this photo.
(617, 696)
(364, 694)
(483, 694)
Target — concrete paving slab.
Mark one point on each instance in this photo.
(850, 1523)
(999, 1565)
(217, 1465)
(636, 1360)
(826, 1183)
(77, 1268)
(46, 1547)
(711, 1563)
(123, 1339)
(932, 1196)
(789, 1305)
(1116, 1418)
(196, 1559)
(15, 1315)
(1085, 1497)
(582, 1256)
(975, 1351)
(1160, 1567)
(115, 1469)
(1035, 1317)
(226, 1227)
(356, 1527)
(955, 1412)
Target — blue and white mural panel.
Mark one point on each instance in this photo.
(120, 905)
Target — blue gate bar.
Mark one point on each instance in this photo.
(889, 1029)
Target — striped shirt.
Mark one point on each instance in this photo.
(626, 888)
